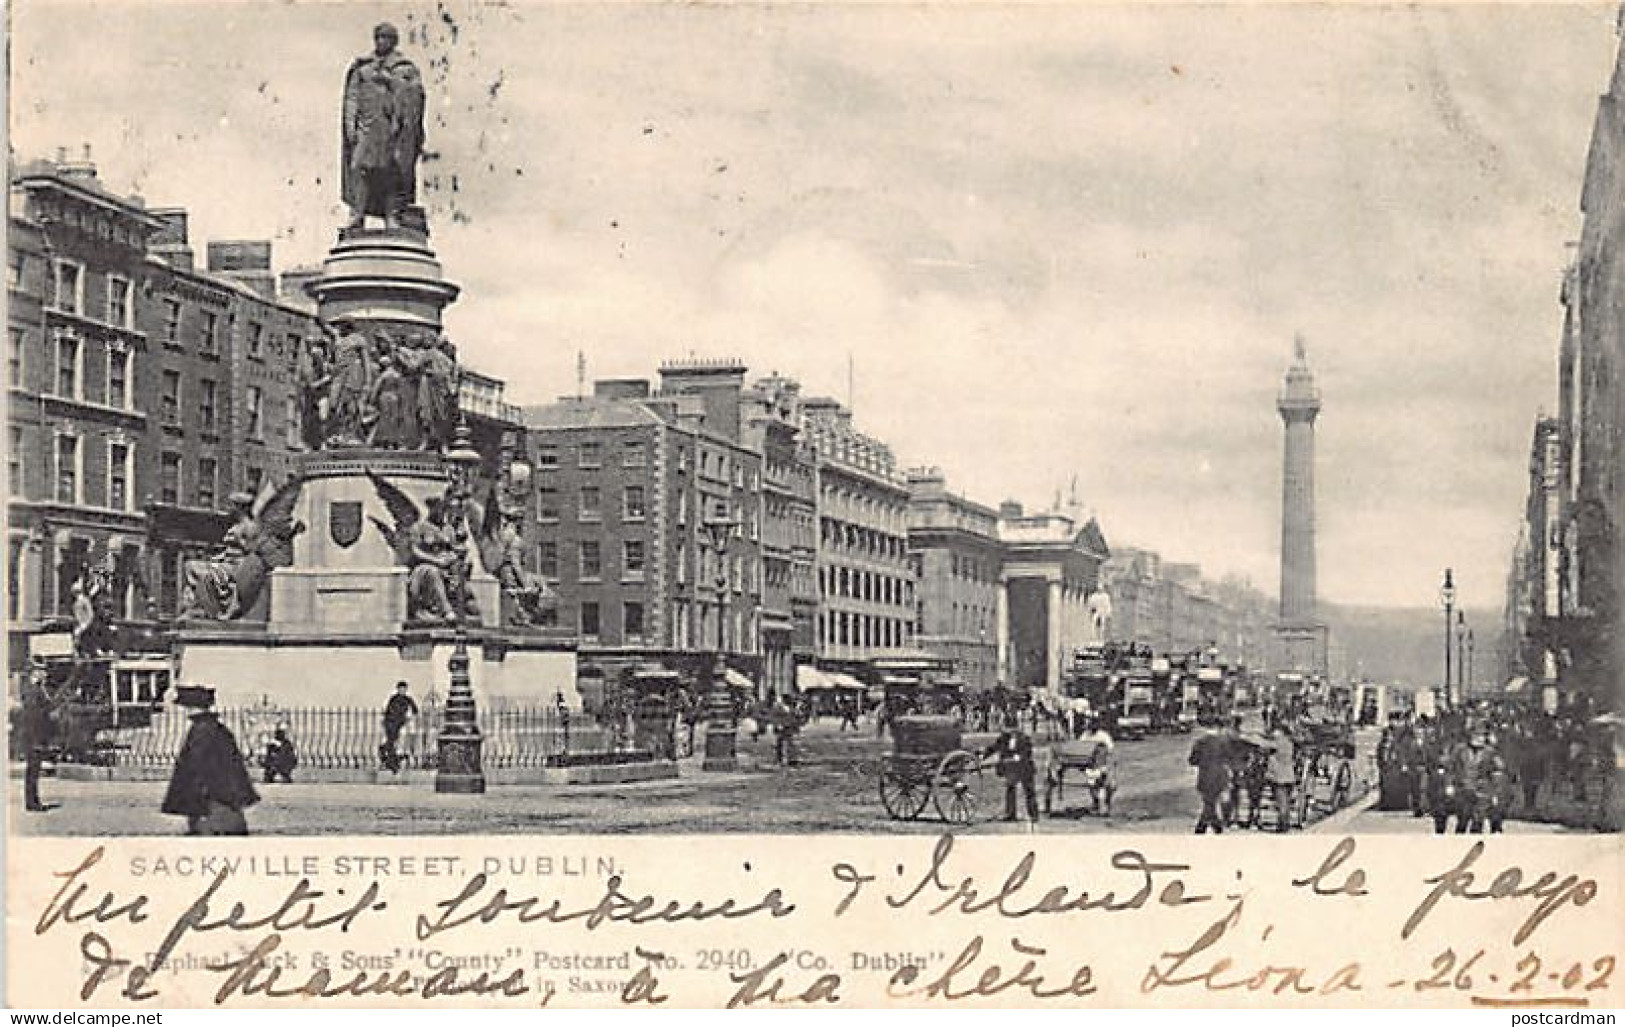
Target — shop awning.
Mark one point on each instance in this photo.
(811, 679)
(1516, 684)
(845, 680)
(738, 680)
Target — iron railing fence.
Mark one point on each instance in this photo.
(518, 735)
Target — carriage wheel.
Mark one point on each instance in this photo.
(903, 794)
(1343, 784)
(957, 787)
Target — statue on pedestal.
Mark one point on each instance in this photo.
(527, 595)
(393, 399)
(437, 393)
(349, 386)
(231, 585)
(432, 541)
(382, 131)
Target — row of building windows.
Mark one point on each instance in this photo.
(68, 291)
(634, 505)
(590, 624)
(859, 539)
(69, 382)
(971, 569)
(68, 379)
(68, 470)
(971, 618)
(68, 453)
(590, 455)
(861, 630)
(855, 583)
(590, 565)
(865, 505)
(634, 455)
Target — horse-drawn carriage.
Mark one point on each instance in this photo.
(1325, 753)
(929, 765)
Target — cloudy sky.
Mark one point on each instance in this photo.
(1050, 241)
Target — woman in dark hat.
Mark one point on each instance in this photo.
(210, 785)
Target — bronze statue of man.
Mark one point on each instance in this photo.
(383, 131)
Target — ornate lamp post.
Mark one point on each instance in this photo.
(1470, 679)
(459, 768)
(721, 730)
(1447, 598)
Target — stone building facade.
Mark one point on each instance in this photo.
(624, 481)
(79, 365)
(866, 578)
(1563, 602)
(958, 558)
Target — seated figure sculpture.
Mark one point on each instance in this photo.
(231, 585)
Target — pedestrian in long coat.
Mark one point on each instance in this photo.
(210, 785)
(37, 733)
(1210, 755)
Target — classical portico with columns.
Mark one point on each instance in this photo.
(1050, 569)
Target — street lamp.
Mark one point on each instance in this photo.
(1470, 678)
(1447, 598)
(459, 769)
(721, 731)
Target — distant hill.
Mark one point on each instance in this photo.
(1407, 645)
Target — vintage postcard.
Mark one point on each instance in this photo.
(782, 505)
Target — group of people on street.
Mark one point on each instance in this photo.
(1234, 772)
(1472, 767)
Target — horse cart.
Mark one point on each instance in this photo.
(1091, 760)
(930, 766)
(1325, 751)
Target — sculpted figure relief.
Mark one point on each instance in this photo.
(390, 390)
(349, 385)
(231, 585)
(382, 131)
(527, 594)
(433, 542)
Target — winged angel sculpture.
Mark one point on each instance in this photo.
(434, 541)
(231, 585)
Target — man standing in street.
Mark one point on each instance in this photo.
(210, 785)
(1282, 775)
(1210, 755)
(36, 733)
(1013, 750)
(397, 712)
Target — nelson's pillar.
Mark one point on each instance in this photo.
(1301, 637)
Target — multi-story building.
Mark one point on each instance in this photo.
(268, 337)
(189, 432)
(717, 602)
(227, 412)
(789, 530)
(1541, 603)
(79, 364)
(624, 483)
(1051, 569)
(867, 583)
(1172, 608)
(958, 557)
(1564, 592)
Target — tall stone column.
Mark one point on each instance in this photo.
(1053, 615)
(1001, 624)
(1301, 634)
